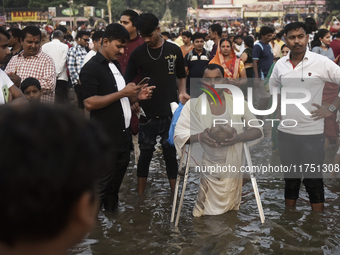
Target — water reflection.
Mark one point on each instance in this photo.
(141, 226)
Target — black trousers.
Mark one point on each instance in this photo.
(61, 93)
(303, 155)
(111, 180)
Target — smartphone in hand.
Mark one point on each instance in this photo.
(144, 81)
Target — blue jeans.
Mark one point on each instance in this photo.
(303, 150)
(148, 133)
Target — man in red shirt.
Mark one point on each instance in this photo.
(335, 45)
(128, 19)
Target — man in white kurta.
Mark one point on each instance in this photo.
(219, 191)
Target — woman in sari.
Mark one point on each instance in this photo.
(232, 66)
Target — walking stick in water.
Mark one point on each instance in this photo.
(253, 181)
(186, 173)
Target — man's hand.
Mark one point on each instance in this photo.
(135, 108)
(183, 97)
(205, 138)
(146, 92)
(321, 112)
(231, 141)
(10, 96)
(15, 79)
(131, 90)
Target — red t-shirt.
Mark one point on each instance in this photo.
(124, 59)
(335, 45)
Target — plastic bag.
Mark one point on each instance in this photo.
(173, 124)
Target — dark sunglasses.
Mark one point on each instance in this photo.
(86, 40)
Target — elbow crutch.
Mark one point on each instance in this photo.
(179, 174)
(253, 181)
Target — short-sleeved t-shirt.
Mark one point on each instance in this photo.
(4, 81)
(327, 53)
(162, 72)
(196, 64)
(264, 54)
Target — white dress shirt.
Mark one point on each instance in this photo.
(125, 102)
(58, 51)
(310, 74)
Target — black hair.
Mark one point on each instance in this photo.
(237, 37)
(133, 16)
(68, 36)
(295, 26)
(249, 41)
(216, 28)
(320, 34)
(167, 34)
(226, 40)
(116, 31)
(32, 30)
(16, 33)
(278, 35)
(198, 35)
(337, 35)
(283, 46)
(49, 158)
(266, 30)
(173, 35)
(30, 81)
(81, 33)
(97, 36)
(63, 29)
(310, 25)
(147, 23)
(187, 34)
(212, 67)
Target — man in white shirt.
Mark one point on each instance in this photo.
(8, 92)
(238, 45)
(97, 38)
(57, 49)
(301, 142)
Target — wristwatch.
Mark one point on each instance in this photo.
(331, 108)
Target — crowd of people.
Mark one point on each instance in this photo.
(79, 167)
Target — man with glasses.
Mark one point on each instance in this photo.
(75, 57)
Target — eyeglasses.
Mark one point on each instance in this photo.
(85, 40)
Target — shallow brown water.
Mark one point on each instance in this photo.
(141, 226)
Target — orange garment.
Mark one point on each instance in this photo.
(184, 51)
(232, 68)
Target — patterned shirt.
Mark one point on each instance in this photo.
(75, 57)
(41, 67)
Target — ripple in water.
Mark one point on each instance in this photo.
(141, 226)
